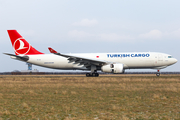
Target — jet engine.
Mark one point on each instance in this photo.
(113, 68)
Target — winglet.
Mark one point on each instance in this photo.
(52, 50)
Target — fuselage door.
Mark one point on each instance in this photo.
(160, 59)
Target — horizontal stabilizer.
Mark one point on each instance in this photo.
(23, 58)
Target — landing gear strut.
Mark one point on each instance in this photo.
(158, 73)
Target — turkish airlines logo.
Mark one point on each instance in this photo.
(21, 46)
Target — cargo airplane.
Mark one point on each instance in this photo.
(93, 62)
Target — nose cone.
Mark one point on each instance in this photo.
(175, 60)
(171, 61)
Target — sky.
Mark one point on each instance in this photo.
(91, 26)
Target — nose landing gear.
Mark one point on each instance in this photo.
(158, 73)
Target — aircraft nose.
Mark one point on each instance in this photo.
(175, 60)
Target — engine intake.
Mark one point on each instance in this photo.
(113, 68)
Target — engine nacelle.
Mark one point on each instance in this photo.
(113, 68)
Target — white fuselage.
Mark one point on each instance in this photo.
(134, 60)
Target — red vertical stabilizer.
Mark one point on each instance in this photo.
(20, 45)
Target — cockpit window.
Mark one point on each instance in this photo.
(169, 56)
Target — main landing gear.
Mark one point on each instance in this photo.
(158, 73)
(92, 74)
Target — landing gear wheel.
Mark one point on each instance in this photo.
(93, 74)
(157, 74)
(88, 75)
(97, 75)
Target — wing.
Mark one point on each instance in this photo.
(80, 60)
